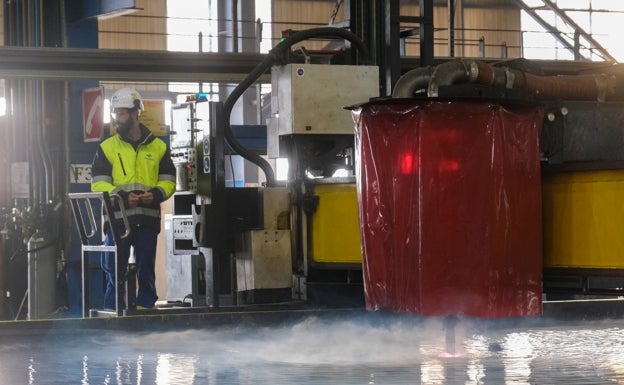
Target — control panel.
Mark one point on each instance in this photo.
(185, 160)
(183, 232)
(190, 142)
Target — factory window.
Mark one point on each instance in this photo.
(598, 18)
(186, 32)
(263, 13)
(189, 33)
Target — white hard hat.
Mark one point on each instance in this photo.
(127, 98)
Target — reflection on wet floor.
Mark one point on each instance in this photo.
(355, 350)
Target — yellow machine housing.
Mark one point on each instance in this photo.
(583, 219)
(335, 229)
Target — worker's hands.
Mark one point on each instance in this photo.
(133, 200)
(141, 198)
(147, 198)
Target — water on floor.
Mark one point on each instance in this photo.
(355, 350)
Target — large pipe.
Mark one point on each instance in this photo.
(452, 72)
(412, 82)
(466, 71)
(569, 87)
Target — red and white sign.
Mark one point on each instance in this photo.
(93, 114)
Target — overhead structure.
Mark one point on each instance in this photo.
(126, 65)
(570, 40)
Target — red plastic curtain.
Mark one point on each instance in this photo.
(450, 207)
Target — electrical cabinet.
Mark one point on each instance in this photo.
(311, 99)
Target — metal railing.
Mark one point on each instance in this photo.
(81, 204)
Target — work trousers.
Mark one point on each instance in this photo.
(143, 240)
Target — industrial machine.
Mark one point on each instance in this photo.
(185, 266)
(225, 245)
(581, 158)
(310, 126)
(283, 241)
(301, 239)
(278, 241)
(582, 192)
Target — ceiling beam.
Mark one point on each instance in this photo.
(127, 65)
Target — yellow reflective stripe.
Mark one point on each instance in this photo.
(132, 187)
(167, 177)
(102, 178)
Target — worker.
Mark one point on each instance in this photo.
(137, 166)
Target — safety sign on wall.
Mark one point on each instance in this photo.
(92, 114)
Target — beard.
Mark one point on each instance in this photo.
(124, 128)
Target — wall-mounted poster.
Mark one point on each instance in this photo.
(92, 114)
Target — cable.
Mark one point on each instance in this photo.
(274, 55)
(233, 173)
(21, 306)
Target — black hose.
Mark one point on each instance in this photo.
(274, 55)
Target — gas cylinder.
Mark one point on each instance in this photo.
(41, 275)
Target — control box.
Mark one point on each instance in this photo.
(311, 98)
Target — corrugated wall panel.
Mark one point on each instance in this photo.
(300, 15)
(497, 26)
(145, 29)
(142, 30)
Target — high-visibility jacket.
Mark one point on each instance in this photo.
(121, 166)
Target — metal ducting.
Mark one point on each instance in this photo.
(568, 87)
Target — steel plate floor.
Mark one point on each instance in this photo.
(324, 348)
